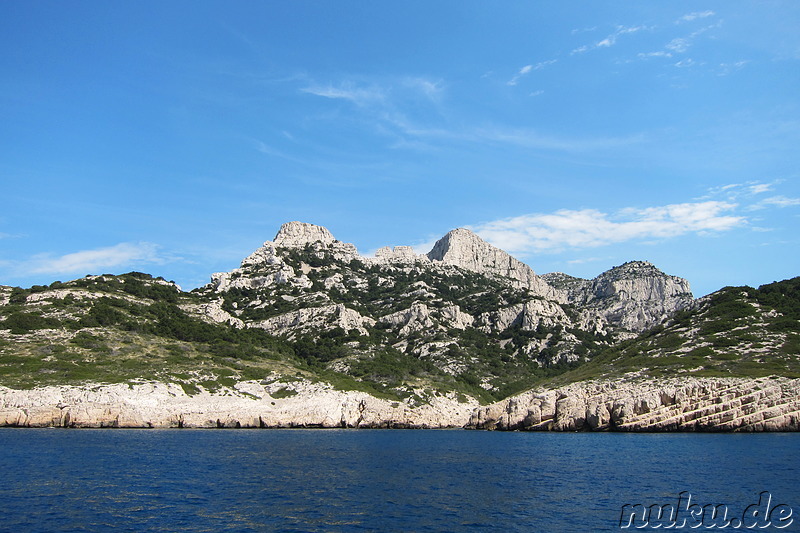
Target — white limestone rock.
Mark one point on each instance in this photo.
(247, 404)
(666, 404)
(463, 248)
(314, 320)
(215, 312)
(528, 316)
(398, 254)
(298, 234)
(635, 296)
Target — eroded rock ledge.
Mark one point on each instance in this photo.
(249, 404)
(673, 404)
(685, 404)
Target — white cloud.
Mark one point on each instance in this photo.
(678, 45)
(728, 68)
(776, 201)
(347, 91)
(94, 261)
(759, 188)
(610, 40)
(527, 69)
(431, 89)
(694, 16)
(660, 53)
(741, 192)
(686, 63)
(589, 228)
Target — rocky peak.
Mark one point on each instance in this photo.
(463, 248)
(298, 234)
(639, 280)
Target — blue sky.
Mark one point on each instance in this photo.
(175, 137)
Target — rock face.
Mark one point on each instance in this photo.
(297, 234)
(249, 404)
(465, 249)
(674, 404)
(692, 404)
(635, 296)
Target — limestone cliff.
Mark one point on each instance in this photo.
(463, 248)
(668, 404)
(634, 296)
(687, 404)
(266, 404)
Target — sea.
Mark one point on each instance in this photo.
(299, 480)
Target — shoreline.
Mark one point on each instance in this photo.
(681, 405)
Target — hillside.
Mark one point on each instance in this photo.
(466, 317)
(734, 332)
(464, 323)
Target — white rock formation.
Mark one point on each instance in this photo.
(398, 254)
(314, 320)
(688, 404)
(249, 404)
(298, 234)
(465, 249)
(669, 404)
(635, 296)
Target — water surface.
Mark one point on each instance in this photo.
(374, 480)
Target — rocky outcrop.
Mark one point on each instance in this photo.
(691, 404)
(298, 234)
(670, 404)
(249, 404)
(635, 296)
(463, 248)
(528, 316)
(420, 317)
(398, 254)
(317, 319)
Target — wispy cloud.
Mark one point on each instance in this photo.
(590, 228)
(688, 62)
(348, 91)
(527, 69)
(681, 45)
(431, 89)
(729, 68)
(678, 45)
(94, 261)
(660, 53)
(694, 16)
(741, 192)
(776, 201)
(532, 139)
(610, 40)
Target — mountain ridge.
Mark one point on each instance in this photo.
(464, 323)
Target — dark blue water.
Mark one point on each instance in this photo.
(374, 480)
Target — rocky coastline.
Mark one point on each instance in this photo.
(669, 404)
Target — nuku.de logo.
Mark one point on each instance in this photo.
(686, 514)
